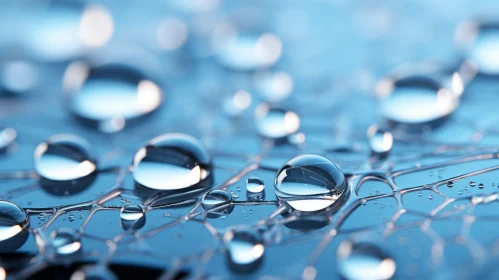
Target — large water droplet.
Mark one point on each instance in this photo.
(255, 185)
(132, 217)
(311, 183)
(66, 241)
(380, 141)
(171, 162)
(7, 138)
(93, 272)
(415, 101)
(13, 220)
(244, 250)
(275, 123)
(109, 96)
(216, 199)
(364, 261)
(64, 157)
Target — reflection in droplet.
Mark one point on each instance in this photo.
(132, 217)
(248, 52)
(364, 261)
(13, 220)
(255, 185)
(64, 157)
(380, 141)
(216, 199)
(109, 96)
(415, 101)
(96, 26)
(172, 161)
(273, 87)
(7, 138)
(311, 183)
(17, 77)
(275, 123)
(66, 241)
(93, 272)
(244, 250)
(237, 103)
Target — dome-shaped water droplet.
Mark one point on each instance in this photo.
(66, 241)
(64, 157)
(415, 101)
(13, 221)
(255, 185)
(132, 216)
(111, 95)
(7, 138)
(244, 250)
(216, 199)
(364, 261)
(380, 141)
(275, 123)
(172, 161)
(311, 183)
(93, 272)
(247, 52)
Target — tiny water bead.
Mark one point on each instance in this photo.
(472, 183)
(415, 101)
(109, 96)
(364, 261)
(254, 185)
(481, 186)
(450, 184)
(215, 199)
(7, 138)
(13, 220)
(275, 123)
(132, 216)
(64, 157)
(380, 141)
(245, 250)
(311, 183)
(172, 161)
(66, 241)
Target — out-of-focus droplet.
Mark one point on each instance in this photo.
(255, 185)
(380, 141)
(215, 199)
(236, 104)
(96, 26)
(66, 241)
(245, 250)
(415, 101)
(7, 138)
(172, 161)
(364, 261)
(132, 217)
(171, 34)
(275, 123)
(311, 183)
(247, 52)
(273, 87)
(64, 157)
(93, 272)
(110, 95)
(18, 77)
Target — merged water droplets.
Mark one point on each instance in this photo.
(7, 138)
(111, 95)
(364, 261)
(66, 241)
(214, 201)
(132, 216)
(245, 250)
(13, 222)
(311, 183)
(64, 157)
(275, 123)
(380, 141)
(172, 161)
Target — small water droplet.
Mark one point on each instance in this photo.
(430, 197)
(254, 185)
(481, 186)
(245, 250)
(450, 184)
(71, 217)
(215, 199)
(275, 123)
(420, 194)
(310, 183)
(66, 241)
(472, 183)
(7, 138)
(132, 216)
(380, 141)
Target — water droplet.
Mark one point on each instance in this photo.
(273, 87)
(380, 141)
(7, 138)
(172, 161)
(13, 222)
(472, 183)
(244, 250)
(275, 123)
(109, 96)
(93, 272)
(66, 241)
(71, 217)
(364, 261)
(235, 105)
(398, 95)
(310, 183)
(480, 186)
(42, 216)
(238, 188)
(430, 197)
(216, 199)
(420, 194)
(450, 184)
(64, 157)
(18, 77)
(254, 185)
(132, 216)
